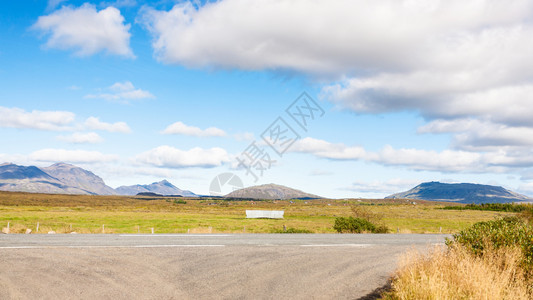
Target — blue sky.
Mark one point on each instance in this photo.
(140, 91)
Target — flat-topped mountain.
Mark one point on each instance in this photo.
(270, 191)
(79, 178)
(162, 188)
(461, 192)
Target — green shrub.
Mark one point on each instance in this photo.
(353, 225)
(292, 230)
(506, 207)
(180, 201)
(503, 232)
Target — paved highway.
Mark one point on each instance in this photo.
(203, 266)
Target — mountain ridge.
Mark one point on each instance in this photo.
(163, 187)
(63, 178)
(461, 193)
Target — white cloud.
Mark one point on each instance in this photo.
(82, 138)
(170, 157)
(86, 30)
(52, 4)
(386, 187)
(526, 188)
(244, 136)
(444, 59)
(325, 149)
(476, 135)
(498, 160)
(181, 128)
(338, 37)
(42, 120)
(93, 123)
(320, 173)
(417, 159)
(122, 92)
(71, 156)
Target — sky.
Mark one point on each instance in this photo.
(342, 99)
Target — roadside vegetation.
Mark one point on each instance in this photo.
(506, 207)
(489, 260)
(123, 214)
(364, 220)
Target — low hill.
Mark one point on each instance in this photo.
(461, 192)
(270, 191)
(162, 188)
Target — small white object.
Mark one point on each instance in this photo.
(265, 214)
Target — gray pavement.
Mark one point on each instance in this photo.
(203, 266)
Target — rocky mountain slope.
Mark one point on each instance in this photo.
(162, 187)
(31, 179)
(79, 178)
(461, 192)
(270, 191)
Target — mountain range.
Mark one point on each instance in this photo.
(461, 193)
(270, 191)
(62, 178)
(162, 188)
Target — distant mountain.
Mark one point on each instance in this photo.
(150, 194)
(31, 179)
(270, 191)
(461, 192)
(79, 178)
(162, 188)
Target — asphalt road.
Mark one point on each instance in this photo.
(206, 266)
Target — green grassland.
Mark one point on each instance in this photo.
(122, 214)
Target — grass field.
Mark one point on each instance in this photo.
(122, 214)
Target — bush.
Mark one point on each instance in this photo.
(292, 230)
(506, 207)
(354, 225)
(180, 201)
(500, 233)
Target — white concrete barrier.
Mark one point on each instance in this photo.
(267, 214)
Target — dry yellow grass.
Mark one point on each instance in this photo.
(125, 214)
(453, 273)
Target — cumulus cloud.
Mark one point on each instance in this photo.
(122, 92)
(86, 30)
(319, 36)
(170, 157)
(42, 120)
(498, 160)
(476, 135)
(93, 123)
(82, 138)
(447, 60)
(71, 156)
(181, 128)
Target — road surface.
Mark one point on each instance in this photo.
(203, 266)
